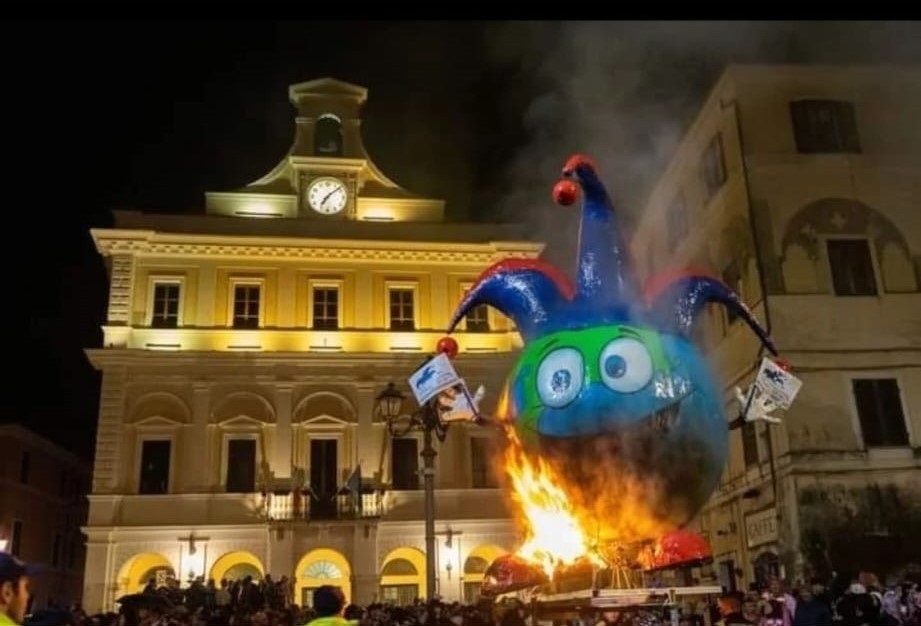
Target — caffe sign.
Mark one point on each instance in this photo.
(761, 527)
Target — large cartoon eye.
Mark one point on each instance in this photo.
(625, 365)
(559, 377)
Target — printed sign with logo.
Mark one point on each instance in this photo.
(435, 375)
(778, 385)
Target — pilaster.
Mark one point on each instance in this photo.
(121, 288)
(368, 449)
(197, 453)
(109, 431)
(281, 463)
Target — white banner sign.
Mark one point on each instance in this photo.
(434, 376)
(777, 385)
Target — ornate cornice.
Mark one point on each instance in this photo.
(111, 243)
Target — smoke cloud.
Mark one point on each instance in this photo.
(625, 92)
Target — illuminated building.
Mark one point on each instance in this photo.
(243, 351)
(799, 187)
(41, 510)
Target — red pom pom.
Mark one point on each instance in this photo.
(447, 345)
(784, 365)
(565, 192)
(575, 161)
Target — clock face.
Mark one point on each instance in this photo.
(327, 195)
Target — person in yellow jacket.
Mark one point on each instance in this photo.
(329, 605)
(14, 589)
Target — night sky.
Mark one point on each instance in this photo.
(150, 115)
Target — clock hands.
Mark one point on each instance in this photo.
(327, 196)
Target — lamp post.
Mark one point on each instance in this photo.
(390, 405)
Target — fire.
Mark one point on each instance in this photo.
(554, 535)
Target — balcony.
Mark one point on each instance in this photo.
(225, 339)
(289, 507)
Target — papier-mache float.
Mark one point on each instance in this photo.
(610, 403)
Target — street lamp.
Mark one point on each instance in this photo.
(427, 419)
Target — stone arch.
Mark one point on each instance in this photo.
(842, 217)
(160, 404)
(399, 582)
(243, 403)
(324, 403)
(237, 565)
(327, 136)
(322, 566)
(137, 570)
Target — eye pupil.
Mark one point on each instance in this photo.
(560, 381)
(615, 366)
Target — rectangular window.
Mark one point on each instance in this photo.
(879, 409)
(165, 311)
(246, 300)
(851, 267)
(56, 550)
(16, 538)
(713, 166)
(25, 464)
(402, 308)
(325, 312)
(733, 279)
(241, 466)
(405, 463)
(824, 126)
(480, 464)
(155, 462)
(677, 218)
(750, 444)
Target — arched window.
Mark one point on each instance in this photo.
(327, 137)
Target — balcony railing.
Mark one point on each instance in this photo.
(302, 340)
(292, 506)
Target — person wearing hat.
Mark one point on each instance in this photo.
(14, 589)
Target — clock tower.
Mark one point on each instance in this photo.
(327, 174)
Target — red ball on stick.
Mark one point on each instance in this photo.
(448, 346)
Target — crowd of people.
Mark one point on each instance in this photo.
(858, 601)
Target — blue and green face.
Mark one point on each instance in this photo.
(622, 403)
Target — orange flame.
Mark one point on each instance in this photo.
(617, 504)
(554, 535)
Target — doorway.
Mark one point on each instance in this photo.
(324, 464)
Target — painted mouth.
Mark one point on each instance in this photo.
(664, 420)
